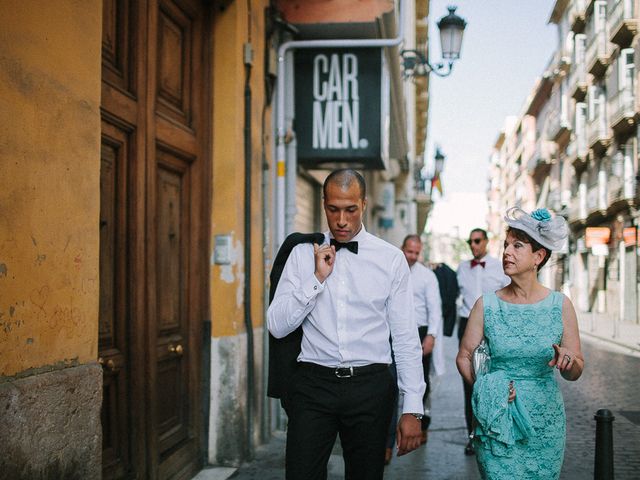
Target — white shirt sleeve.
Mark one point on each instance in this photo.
(295, 296)
(434, 304)
(406, 343)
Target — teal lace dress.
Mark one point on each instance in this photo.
(523, 439)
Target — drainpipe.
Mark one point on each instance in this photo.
(248, 60)
(285, 184)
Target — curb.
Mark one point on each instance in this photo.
(635, 348)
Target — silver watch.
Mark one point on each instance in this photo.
(419, 416)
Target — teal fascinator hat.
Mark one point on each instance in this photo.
(550, 231)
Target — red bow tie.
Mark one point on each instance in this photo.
(475, 263)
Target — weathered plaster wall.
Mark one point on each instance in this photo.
(227, 285)
(235, 26)
(227, 440)
(49, 183)
(50, 425)
(333, 11)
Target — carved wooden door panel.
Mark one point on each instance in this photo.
(113, 341)
(152, 252)
(175, 225)
(122, 162)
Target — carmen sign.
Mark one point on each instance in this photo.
(339, 107)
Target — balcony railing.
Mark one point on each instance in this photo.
(542, 154)
(597, 195)
(553, 201)
(621, 189)
(622, 186)
(623, 23)
(598, 134)
(614, 189)
(558, 125)
(598, 53)
(578, 206)
(622, 108)
(578, 79)
(582, 148)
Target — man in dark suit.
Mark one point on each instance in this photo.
(449, 290)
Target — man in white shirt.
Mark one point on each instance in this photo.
(427, 305)
(482, 274)
(350, 294)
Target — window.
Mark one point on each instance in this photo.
(600, 16)
(626, 69)
(596, 102)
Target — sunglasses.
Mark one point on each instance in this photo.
(475, 240)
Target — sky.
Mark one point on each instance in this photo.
(507, 44)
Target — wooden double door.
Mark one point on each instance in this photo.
(153, 236)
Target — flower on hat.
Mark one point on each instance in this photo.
(549, 231)
(541, 214)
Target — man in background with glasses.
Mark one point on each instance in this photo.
(482, 274)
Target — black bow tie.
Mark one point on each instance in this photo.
(351, 246)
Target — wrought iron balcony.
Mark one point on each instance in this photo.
(622, 108)
(577, 150)
(621, 191)
(540, 162)
(622, 184)
(598, 133)
(598, 53)
(559, 126)
(623, 24)
(578, 78)
(597, 201)
(578, 206)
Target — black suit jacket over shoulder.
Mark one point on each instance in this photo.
(283, 352)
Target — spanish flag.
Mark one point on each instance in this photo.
(436, 183)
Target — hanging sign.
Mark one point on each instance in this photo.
(338, 107)
(597, 236)
(629, 236)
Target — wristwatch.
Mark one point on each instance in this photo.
(419, 416)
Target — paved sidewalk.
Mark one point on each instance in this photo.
(442, 457)
(602, 326)
(605, 384)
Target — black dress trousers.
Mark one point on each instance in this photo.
(322, 406)
(426, 367)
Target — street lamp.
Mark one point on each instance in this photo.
(416, 63)
(437, 170)
(439, 162)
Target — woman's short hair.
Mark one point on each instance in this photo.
(535, 246)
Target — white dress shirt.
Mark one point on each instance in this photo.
(428, 307)
(346, 321)
(475, 282)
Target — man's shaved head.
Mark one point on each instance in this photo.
(344, 178)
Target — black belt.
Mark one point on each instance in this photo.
(344, 372)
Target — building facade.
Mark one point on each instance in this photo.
(139, 213)
(585, 161)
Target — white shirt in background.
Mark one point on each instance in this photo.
(475, 282)
(428, 307)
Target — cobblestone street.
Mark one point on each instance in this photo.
(609, 381)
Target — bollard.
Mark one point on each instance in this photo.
(604, 445)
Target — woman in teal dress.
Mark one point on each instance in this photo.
(529, 329)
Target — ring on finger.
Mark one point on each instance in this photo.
(567, 357)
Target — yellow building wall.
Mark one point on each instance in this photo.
(49, 183)
(233, 27)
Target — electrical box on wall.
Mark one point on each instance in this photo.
(222, 250)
